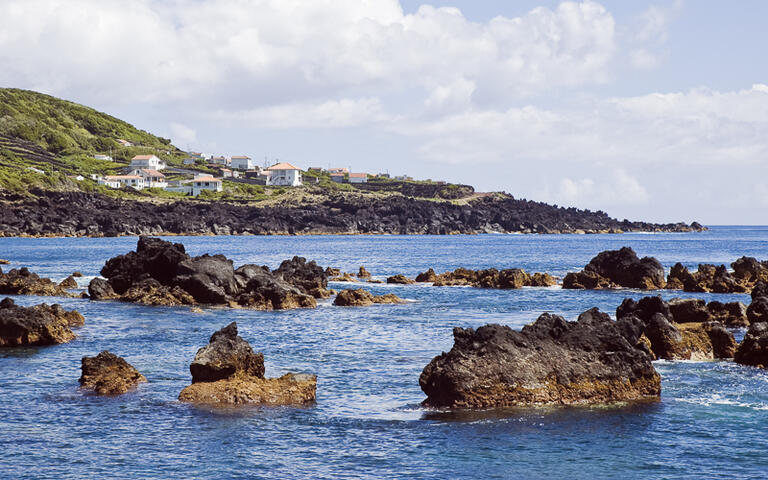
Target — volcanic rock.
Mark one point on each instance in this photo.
(68, 283)
(669, 339)
(399, 279)
(227, 371)
(510, 278)
(363, 273)
(225, 355)
(363, 298)
(108, 374)
(731, 314)
(709, 278)
(689, 310)
(161, 273)
(552, 361)
(618, 268)
(758, 308)
(753, 350)
(23, 282)
(38, 325)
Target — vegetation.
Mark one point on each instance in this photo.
(41, 133)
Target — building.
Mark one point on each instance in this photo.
(315, 169)
(152, 178)
(227, 173)
(358, 178)
(342, 170)
(134, 181)
(103, 157)
(285, 175)
(206, 182)
(241, 162)
(337, 177)
(189, 161)
(220, 160)
(147, 161)
(196, 155)
(124, 143)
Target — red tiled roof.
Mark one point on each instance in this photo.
(358, 175)
(142, 157)
(283, 166)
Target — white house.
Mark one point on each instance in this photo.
(341, 170)
(241, 162)
(147, 161)
(103, 157)
(337, 177)
(152, 178)
(124, 143)
(133, 181)
(284, 174)
(220, 160)
(189, 161)
(206, 183)
(358, 178)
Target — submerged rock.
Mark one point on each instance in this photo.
(108, 374)
(552, 361)
(161, 273)
(38, 325)
(618, 268)
(227, 371)
(23, 282)
(363, 298)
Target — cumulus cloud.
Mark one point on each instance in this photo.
(181, 134)
(263, 52)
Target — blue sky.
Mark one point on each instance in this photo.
(646, 110)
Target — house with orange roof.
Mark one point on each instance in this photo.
(285, 175)
(206, 182)
(147, 161)
(152, 178)
(358, 178)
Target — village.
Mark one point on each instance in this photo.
(200, 173)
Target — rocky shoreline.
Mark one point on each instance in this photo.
(88, 214)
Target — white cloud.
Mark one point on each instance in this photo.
(330, 114)
(257, 53)
(618, 189)
(182, 135)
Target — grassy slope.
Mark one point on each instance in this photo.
(60, 137)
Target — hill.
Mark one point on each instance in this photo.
(46, 156)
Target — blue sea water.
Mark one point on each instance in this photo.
(711, 421)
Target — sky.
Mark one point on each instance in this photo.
(651, 111)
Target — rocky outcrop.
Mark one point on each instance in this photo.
(758, 309)
(550, 362)
(227, 371)
(753, 350)
(108, 374)
(161, 273)
(708, 278)
(23, 282)
(731, 314)
(399, 279)
(747, 272)
(363, 298)
(363, 273)
(669, 339)
(89, 214)
(618, 269)
(38, 325)
(510, 278)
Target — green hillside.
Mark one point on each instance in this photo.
(60, 137)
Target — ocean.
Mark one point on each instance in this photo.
(367, 422)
